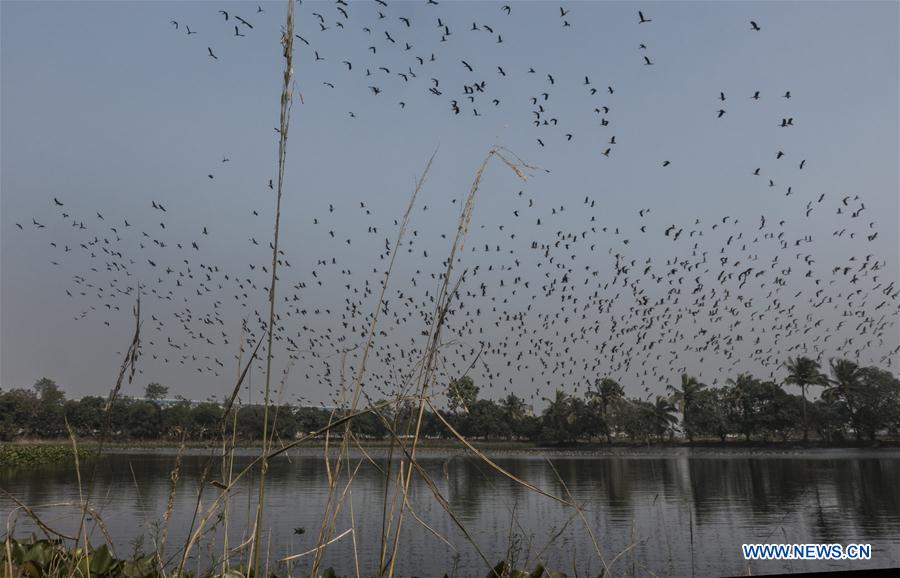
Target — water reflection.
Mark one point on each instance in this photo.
(683, 508)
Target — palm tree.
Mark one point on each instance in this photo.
(686, 398)
(664, 420)
(608, 392)
(803, 372)
(845, 385)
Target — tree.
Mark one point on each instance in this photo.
(844, 387)
(635, 418)
(463, 393)
(608, 392)
(560, 419)
(663, 419)
(515, 412)
(877, 401)
(86, 415)
(144, 420)
(18, 410)
(48, 392)
(710, 413)
(486, 419)
(804, 372)
(155, 392)
(49, 419)
(686, 396)
(205, 417)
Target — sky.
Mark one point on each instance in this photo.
(110, 108)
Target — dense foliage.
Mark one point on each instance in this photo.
(854, 403)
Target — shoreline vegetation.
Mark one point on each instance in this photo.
(37, 452)
(856, 406)
(35, 558)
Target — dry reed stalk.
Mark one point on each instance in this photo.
(8, 546)
(287, 42)
(33, 515)
(493, 465)
(204, 477)
(228, 453)
(441, 307)
(357, 387)
(129, 366)
(411, 464)
(327, 526)
(412, 513)
(194, 534)
(170, 505)
(581, 514)
(82, 529)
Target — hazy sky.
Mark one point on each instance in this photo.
(108, 107)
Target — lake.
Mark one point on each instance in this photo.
(672, 511)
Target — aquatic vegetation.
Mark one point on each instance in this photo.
(24, 455)
(51, 558)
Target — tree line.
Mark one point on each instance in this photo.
(853, 402)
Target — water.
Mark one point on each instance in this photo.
(682, 511)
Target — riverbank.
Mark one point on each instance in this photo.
(51, 559)
(53, 449)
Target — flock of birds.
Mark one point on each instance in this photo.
(563, 299)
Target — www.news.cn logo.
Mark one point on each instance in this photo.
(806, 551)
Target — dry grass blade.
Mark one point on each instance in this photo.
(317, 548)
(491, 463)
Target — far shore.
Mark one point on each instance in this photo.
(492, 446)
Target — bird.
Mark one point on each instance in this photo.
(754, 26)
(224, 13)
(666, 163)
(211, 53)
(642, 19)
(647, 61)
